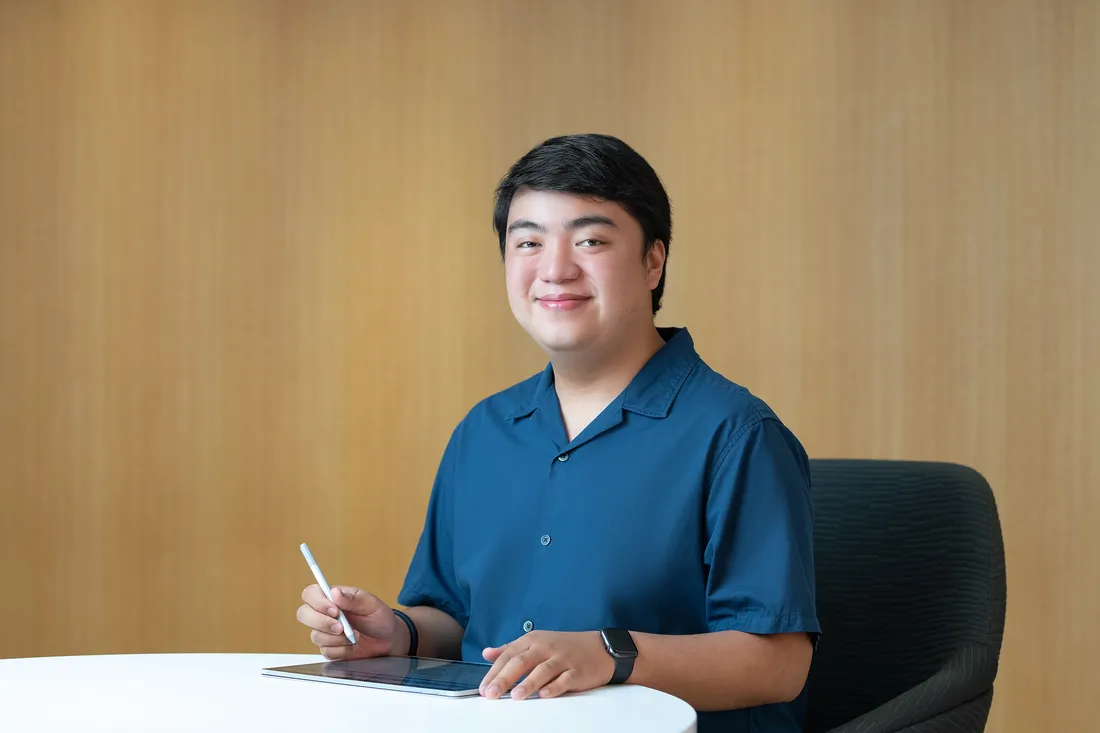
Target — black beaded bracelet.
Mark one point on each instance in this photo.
(413, 637)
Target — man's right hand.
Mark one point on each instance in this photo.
(379, 632)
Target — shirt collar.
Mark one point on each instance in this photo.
(652, 390)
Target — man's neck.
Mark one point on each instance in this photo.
(586, 386)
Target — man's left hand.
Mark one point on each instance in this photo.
(555, 662)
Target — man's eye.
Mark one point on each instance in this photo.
(589, 242)
(526, 245)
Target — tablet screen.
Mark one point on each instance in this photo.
(430, 674)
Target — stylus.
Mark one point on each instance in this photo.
(348, 631)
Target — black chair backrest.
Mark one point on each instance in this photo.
(910, 570)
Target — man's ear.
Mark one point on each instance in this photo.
(654, 262)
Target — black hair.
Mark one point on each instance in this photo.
(598, 166)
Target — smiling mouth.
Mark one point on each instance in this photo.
(563, 303)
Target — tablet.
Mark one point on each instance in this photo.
(405, 674)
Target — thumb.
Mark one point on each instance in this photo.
(347, 598)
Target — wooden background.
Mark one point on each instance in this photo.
(248, 283)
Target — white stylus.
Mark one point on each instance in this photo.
(348, 631)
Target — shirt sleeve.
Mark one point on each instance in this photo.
(759, 551)
(431, 580)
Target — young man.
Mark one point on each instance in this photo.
(627, 515)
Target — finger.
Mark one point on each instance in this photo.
(519, 665)
(563, 683)
(540, 676)
(322, 639)
(314, 620)
(337, 653)
(315, 599)
(504, 654)
(491, 654)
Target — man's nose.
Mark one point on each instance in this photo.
(556, 262)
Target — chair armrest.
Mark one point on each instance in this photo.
(966, 675)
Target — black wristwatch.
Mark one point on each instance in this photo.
(620, 645)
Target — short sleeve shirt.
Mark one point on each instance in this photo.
(683, 508)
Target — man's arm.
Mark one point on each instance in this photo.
(440, 636)
(723, 670)
(430, 583)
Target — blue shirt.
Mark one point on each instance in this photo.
(683, 508)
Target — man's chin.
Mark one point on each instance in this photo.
(563, 343)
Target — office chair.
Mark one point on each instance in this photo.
(910, 574)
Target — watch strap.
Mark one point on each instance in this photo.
(624, 667)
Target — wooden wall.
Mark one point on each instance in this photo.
(248, 282)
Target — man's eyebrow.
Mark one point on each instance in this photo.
(526, 224)
(589, 220)
(578, 223)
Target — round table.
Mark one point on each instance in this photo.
(226, 692)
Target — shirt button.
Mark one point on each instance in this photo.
(527, 626)
(545, 540)
(563, 457)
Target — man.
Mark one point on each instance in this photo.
(628, 515)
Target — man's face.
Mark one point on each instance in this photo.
(575, 273)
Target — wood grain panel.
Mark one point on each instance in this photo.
(248, 283)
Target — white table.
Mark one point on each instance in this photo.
(226, 692)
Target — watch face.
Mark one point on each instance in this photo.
(619, 643)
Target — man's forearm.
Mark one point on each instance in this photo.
(725, 669)
(440, 636)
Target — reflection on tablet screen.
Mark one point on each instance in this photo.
(436, 674)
